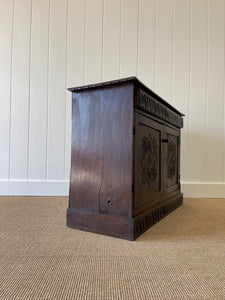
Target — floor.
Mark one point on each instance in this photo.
(181, 257)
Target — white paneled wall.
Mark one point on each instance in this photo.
(38, 106)
(176, 47)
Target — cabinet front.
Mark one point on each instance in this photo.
(147, 161)
(156, 162)
(171, 158)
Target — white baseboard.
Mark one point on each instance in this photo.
(203, 189)
(34, 188)
(61, 188)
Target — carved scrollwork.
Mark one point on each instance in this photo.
(154, 215)
(149, 159)
(171, 159)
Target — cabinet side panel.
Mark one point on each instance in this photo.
(116, 186)
(86, 150)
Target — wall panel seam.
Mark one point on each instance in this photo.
(29, 72)
(224, 99)
(11, 71)
(65, 92)
(120, 38)
(84, 63)
(102, 48)
(47, 100)
(138, 37)
(156, 31)
(189, 96)
(173, 39)
(206, 98)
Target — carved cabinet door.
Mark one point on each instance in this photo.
(147, 161)
(171, 151)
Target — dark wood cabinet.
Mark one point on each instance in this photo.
(125, 160)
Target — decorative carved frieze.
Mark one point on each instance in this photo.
(149, 104)
(151, 217)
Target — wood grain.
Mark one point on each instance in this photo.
(125, 159)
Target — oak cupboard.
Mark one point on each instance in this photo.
(125, 160)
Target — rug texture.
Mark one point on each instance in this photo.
(181, 257)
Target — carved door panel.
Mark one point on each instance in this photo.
(147, 161)
(171, 149)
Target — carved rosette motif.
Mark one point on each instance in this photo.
(149, 160)
(171, 159)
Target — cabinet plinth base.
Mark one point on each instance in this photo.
(100, 223)
(126, 228)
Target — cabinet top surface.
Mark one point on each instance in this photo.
(134, 80)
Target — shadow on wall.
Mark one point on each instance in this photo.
(195, 219)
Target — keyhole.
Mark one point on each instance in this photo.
(109, 202)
